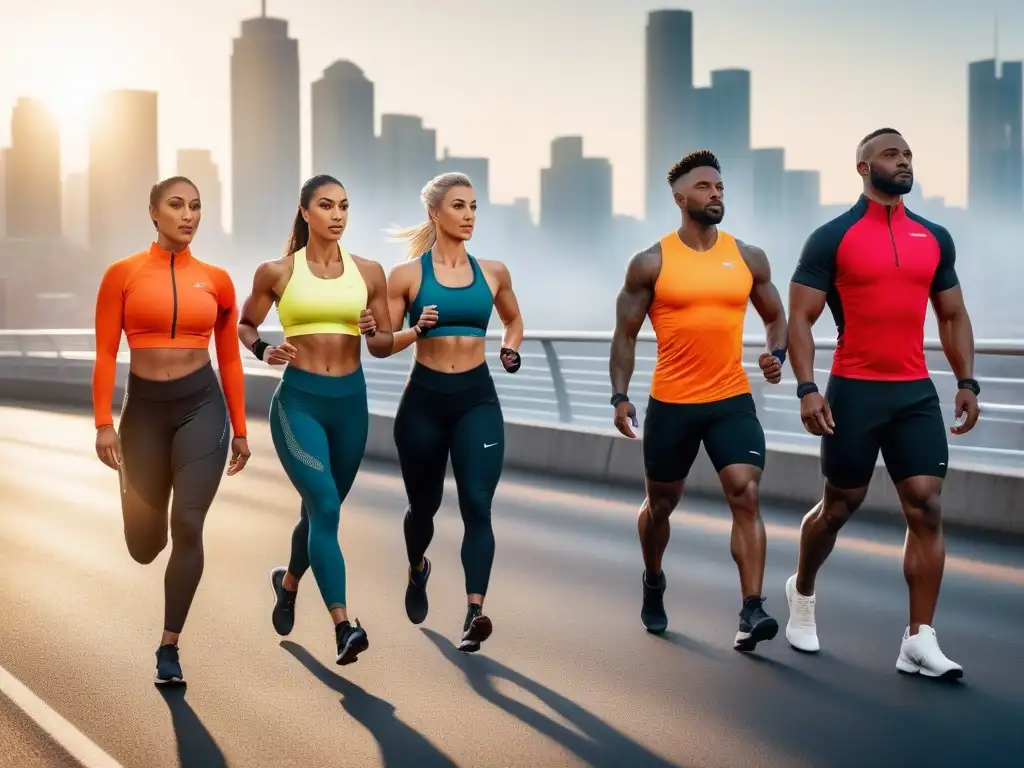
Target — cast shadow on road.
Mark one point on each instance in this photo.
(601, 747)
(400, 745)
(196, 747)
(692, 645)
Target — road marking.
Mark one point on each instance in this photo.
(74, 742)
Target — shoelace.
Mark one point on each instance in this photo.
(804, 607)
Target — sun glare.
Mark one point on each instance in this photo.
(71, 104)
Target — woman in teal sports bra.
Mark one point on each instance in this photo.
(326, 299)
(450, 406)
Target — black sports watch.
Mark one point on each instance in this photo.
(619, 397)
(806, 388)
(970, 384)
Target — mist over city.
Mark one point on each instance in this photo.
(288, 121)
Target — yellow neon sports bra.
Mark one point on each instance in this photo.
(312, 304)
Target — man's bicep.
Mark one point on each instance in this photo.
(634, 299)
(949, 303)
(805, 303)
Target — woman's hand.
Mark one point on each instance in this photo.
(108, 446)
(239, 455)
(367, 324)
(428, 318)
(281, 355)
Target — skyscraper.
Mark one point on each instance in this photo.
(123, 167)
(33, 201)
(669, 106)
(76, 209)
(344, 138)
(995, 153)
(407, 160)
(576, 196)
(198, 166)
(265, 158)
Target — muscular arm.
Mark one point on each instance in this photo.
(257, 306)
(382, 341)
(507, 306)
(765, 297)
(631, 306)
(398, 302)
(955, 330)
(808, 292)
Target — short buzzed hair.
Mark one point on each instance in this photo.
(701, 158)
(876, 134)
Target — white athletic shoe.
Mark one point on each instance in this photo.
(921, 654)
(801, 630)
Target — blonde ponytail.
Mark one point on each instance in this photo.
(419, 239)
(422, 237)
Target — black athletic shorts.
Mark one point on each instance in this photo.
(903, 419)
(673, 433)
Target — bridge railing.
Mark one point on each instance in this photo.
(564, 381)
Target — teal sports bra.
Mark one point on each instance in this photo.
(463, 311)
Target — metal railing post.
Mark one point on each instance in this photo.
(558, 382)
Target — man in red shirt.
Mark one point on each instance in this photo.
(876, 266)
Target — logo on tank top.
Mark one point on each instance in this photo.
(727, 264)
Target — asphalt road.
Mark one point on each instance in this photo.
(568, 679)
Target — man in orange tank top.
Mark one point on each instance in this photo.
(695, 284)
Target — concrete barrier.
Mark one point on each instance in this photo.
(978, 497)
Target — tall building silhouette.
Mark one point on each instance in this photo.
(769, 184)
(576, 195)
(3, 192)
(344, 137)
(198, 166)
(123, 167)
(669, 96)
(407, 160)
(265, 153)
(995, 154)
(33, 172)
(76, 209)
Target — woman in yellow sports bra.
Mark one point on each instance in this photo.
(326, 299)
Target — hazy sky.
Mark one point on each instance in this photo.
(502, 79)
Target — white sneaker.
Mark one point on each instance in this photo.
(921, 654)
(801, 631)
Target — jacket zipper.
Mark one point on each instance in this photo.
(892, 237)
(174, 294)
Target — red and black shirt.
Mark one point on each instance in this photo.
(878, 266)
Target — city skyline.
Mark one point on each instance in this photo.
(509, 165)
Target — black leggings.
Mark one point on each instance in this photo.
(457, 413)
(174, 436)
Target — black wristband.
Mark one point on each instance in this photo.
(807, 388)
(619, 397)
(780, 355)
(258, 348)
(515, 364)
(969, 384)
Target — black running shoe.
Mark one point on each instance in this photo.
(652, 613)
(475, 630)
(416, 605)
(352, 641)
(168, 668)
(283, 615)
(755, 625)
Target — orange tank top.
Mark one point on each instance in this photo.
(698, 311)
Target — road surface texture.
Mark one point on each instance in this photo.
(569, 677)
